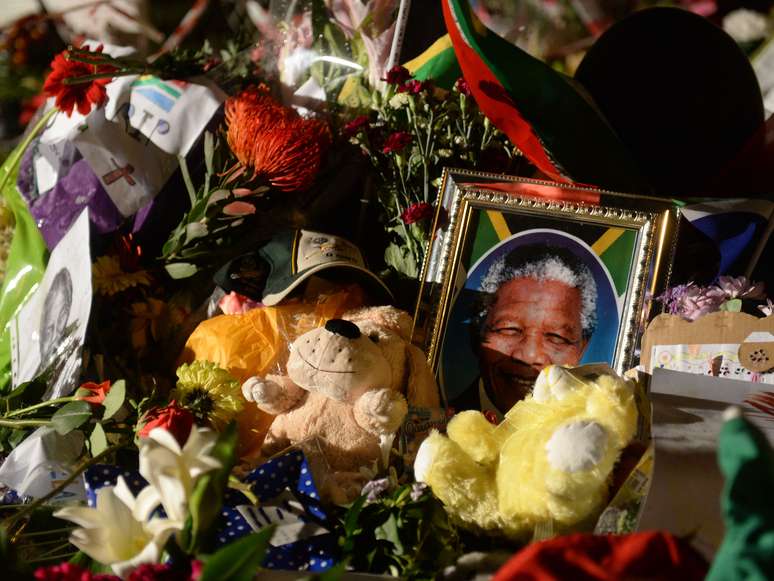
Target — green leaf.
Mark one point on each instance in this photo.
(732, 306)
(207, 496)
(240, 560)
(178, 270)
(401, 260)
(114, 399)
(71, 416)
(389, 532)
(187, 179)
(98, 440)
(350, 522)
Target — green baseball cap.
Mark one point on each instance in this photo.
(293, 256)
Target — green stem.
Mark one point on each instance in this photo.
(43, 533)
(29, 508)
(105, 75)
(37, 406)
(18, 424)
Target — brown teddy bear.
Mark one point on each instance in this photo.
(348, 384)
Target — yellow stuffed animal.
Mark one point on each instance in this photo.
(548, 463)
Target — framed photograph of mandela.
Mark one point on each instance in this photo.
(536, 273)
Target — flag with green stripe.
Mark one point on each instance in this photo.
(546, 114)
(438, 64)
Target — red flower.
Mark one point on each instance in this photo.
(417, 212)
(397, 75)
(273, 141)
(158, 572)
(98, 392)
(413, 86)
(172, 418)
(69, 572)
(396, 142)
(79, 96)
(354, 126)
(463, 86)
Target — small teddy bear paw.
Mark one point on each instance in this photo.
(383, 410)
(260, 390)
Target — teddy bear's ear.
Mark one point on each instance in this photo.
(422, 389)
(387, 317)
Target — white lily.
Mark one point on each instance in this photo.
(172, 471)
(118, 531)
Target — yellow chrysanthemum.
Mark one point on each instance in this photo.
(109, 279)
(209, 392)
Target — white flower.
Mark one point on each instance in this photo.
(399, 100)
(171, 471)
(445, 153)
(117, 532)
(745, 25)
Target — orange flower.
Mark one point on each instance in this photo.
(98, 392)
(273, 142)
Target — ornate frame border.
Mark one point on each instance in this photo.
(654, 220)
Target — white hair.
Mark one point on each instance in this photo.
(549, 266)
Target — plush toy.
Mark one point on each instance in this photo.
(546, 465)
(347, 385)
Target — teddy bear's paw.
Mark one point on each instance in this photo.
(381, 411)
(264, 392)
(577, 446)
(554, 383)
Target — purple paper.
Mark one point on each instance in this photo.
(56, 210)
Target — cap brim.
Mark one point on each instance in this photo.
(272, 299)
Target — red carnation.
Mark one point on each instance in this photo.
(463, 86)
(172, 418)
(417, 212)
(396, 142)
(69, 572)
(354, 126)
(77, 95)
(158, 572)
(413, 86)
(397, 75)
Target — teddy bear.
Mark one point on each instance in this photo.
(546, 466)
(348, 385)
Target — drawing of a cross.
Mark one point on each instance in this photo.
(118, 173)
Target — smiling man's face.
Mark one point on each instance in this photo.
(531, 325)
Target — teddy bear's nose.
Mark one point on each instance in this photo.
(344, 328)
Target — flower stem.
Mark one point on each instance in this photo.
(37, 406)
(17, 424)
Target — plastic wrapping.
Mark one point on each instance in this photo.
(326, 51)
(26, 258)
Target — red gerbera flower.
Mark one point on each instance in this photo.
(77, 95)
(396, 142)
(273, 141)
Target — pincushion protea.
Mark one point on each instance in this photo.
(273, 142)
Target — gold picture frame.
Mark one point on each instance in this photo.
(627, 242)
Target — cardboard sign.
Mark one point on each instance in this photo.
(730, 345)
